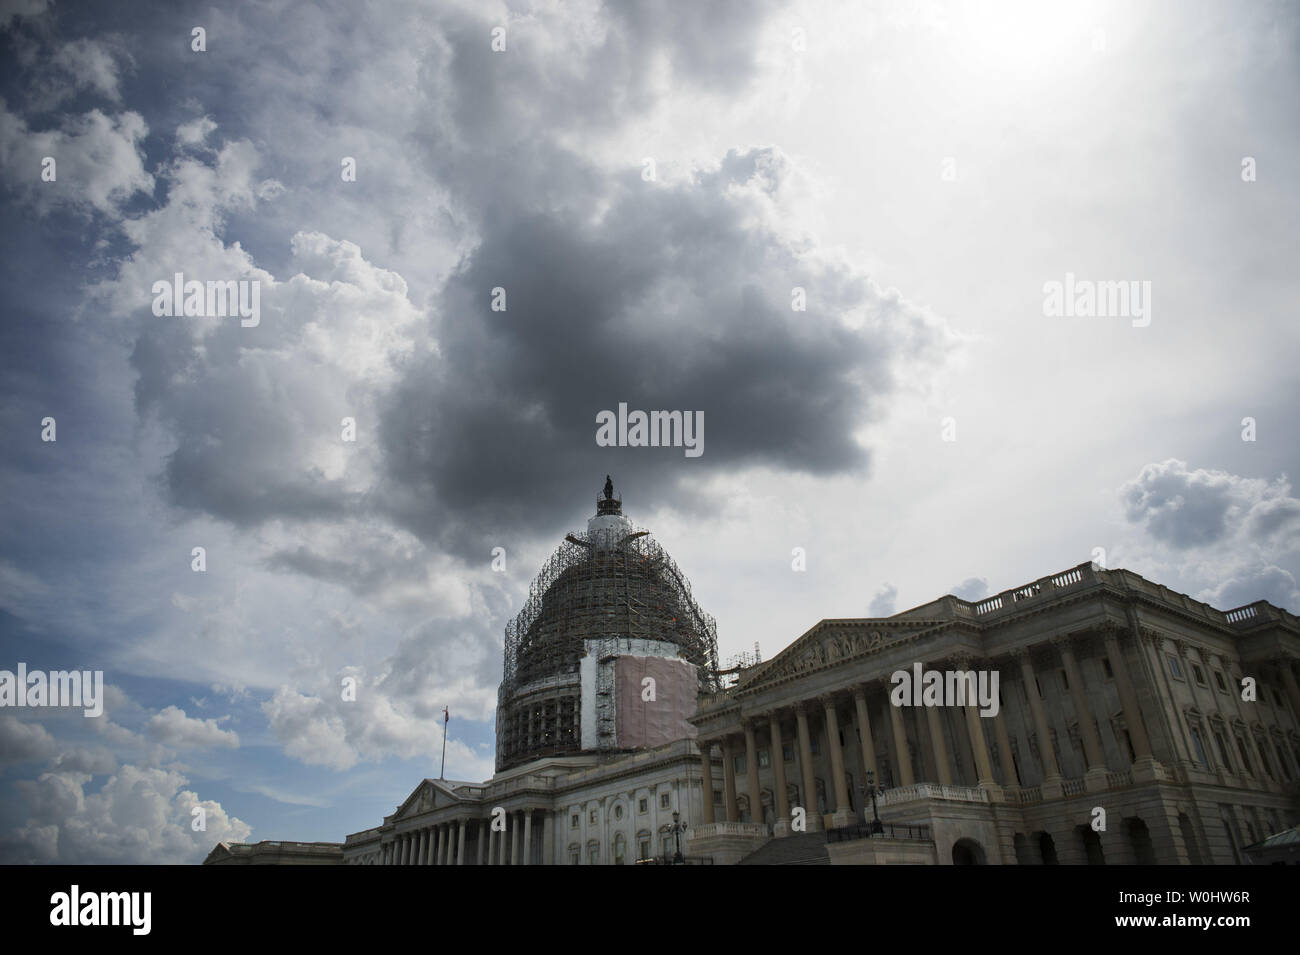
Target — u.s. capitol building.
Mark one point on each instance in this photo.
(1132, 724)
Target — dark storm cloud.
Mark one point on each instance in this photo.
(674, 300)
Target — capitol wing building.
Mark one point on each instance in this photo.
(1129, 724)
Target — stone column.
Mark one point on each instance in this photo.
(448, 834)
(492, 844)
(751, 772)
(975, 732)
(460, 847)
(1051, 787)
(548, 838)
(514, 843)
(478, 855)
(983, 765)
(780, 798)
(864, 735)
(528, 838)
(905, 774)
(706, 777)
(729, 780)
(1095, 777)
(1009, 775)
(841, 815)
(938, 746)
(813, 815)
(505, 839)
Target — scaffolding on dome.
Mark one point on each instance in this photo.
(596, 589)
(587, 592)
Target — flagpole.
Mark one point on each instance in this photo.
(446, 718)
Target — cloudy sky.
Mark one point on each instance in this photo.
(650, 185)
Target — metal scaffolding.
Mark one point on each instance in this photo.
(601, 588)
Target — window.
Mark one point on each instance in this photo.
(573, 821)
(593, 855)
(1200, 747)
(618, 812)
(787, 752)
(1198, 675)
(1105, 666)
(764, 758)
(1245, 760)
(643, 805)
(1065, 680)
(574, 855)
(738, 764)
(592, 817)
(645, 849)
(665, 800)
(1175, 668)
(815, 747)
(668, 846)
(1218, 681)
(1223, 750)
(620, 850)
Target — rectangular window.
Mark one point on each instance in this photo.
(815, 747)
(1198, 675)
(573, 821)
(665, 800)
(764, 758)
(643, 805)
(574, 856)
(594, 855)
(738, 764)
(593, 817)
(645, 849)
(668, 846)
(1218, 681)
(787, 751)
(1200, 748)
(1175, 668)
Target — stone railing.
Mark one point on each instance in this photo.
(901, 794)
(1073, 787)
(1023, 794)
(729, 829)
(1119, 780)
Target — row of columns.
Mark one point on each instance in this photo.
(838, 798)
(443, 844)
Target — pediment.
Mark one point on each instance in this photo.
(832, 642)
(424, 798)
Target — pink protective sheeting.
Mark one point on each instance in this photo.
(641, 723)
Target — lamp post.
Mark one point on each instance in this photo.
(875, 828)
(678, 828)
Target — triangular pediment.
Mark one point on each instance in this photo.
(834, 642)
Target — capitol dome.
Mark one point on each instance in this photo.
(604, 599)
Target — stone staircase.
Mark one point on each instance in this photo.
(803, 848)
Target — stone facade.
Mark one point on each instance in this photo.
(1119, 699)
